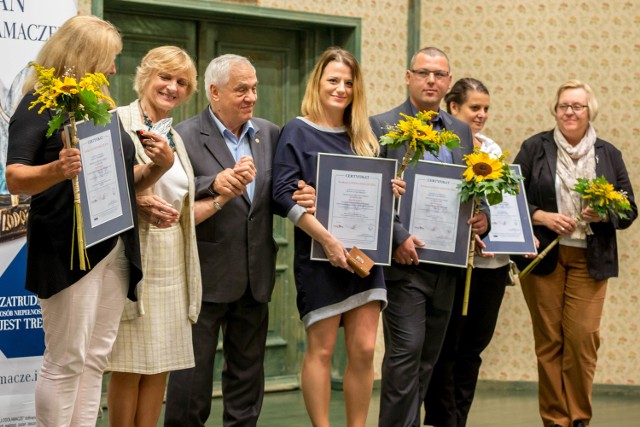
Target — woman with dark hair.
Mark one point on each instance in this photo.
(80, 308)
(565, 292)
(329, 294)
(155, 332)
(452, 387)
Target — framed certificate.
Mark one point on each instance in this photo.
(104, 194)
(354, 202)
(432, 211)
(511, 228)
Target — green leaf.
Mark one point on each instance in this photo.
(55, 123)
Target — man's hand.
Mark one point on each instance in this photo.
(305, 196)
(233, 182)
(479, 223)
(406, 254)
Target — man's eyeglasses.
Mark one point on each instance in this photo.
(424, 74)
(575, 107)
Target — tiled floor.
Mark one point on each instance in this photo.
(490, 408)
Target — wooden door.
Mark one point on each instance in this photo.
(276, 55)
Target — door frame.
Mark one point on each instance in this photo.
(341, 31)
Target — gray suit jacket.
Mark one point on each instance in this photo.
(380, 123)
(236, 245)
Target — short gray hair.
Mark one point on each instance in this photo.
(217, 72)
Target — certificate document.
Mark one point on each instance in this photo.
(511, 229)
(104, 192)
(434, 211)
(354, 207)
(102, 186)
(355, 203)
(506, 225)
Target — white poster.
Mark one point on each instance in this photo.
(24, 27)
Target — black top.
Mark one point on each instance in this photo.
(318, 283)
(50, 225)
(537, 159)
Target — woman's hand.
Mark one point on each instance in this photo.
(480, 246)
(157, 211)
(70, 164)
(399, 187)
(556, 222)
(336, 253)
(589, 215)
(157, 148)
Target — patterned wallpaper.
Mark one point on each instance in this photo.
(522, 53)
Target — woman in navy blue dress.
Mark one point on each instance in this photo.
(330, 295)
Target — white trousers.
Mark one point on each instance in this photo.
(80, 325)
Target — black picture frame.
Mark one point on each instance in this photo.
(498, 245)
(457, 255)
(385, 169)
(104, 176)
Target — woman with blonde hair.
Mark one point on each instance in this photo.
(155, 332)
(565, 292)
(329, 294)
(80, 308)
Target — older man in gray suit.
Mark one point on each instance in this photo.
(420, 295)
(231, 153)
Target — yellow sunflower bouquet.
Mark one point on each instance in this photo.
(72, 99)
(485, 177)
(417, 133)
(599, 195)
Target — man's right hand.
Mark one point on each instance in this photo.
(233, 182)
(406, 253)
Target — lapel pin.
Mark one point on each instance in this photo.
(257, 140)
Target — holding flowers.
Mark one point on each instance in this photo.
(565, 292)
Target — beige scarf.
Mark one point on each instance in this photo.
(574, 162)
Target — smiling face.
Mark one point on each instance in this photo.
(336, 88)
(233, 102)
(426, 89)
(164, 92)
(573, 124)
(474, 112)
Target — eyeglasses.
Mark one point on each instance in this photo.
(575, 107)
(424, 74)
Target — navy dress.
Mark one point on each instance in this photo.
(323, 290)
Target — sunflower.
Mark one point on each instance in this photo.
(482, 167)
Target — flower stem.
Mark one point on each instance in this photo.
(78, 230)
(538, 258)
(472, 250)
(405, 161)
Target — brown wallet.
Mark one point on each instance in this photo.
(360, 263)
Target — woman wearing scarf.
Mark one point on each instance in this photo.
(566, 292)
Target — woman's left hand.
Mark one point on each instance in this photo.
(157, 148)
(399, 187)
(157, 211)
(589, 215)
(336, 253)
(480, 246)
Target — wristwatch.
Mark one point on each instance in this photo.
(217, 205)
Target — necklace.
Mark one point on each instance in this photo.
(147, 122)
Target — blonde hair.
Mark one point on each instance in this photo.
(363, 141)
(83, 44)
(170, 59)
(592, 102)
